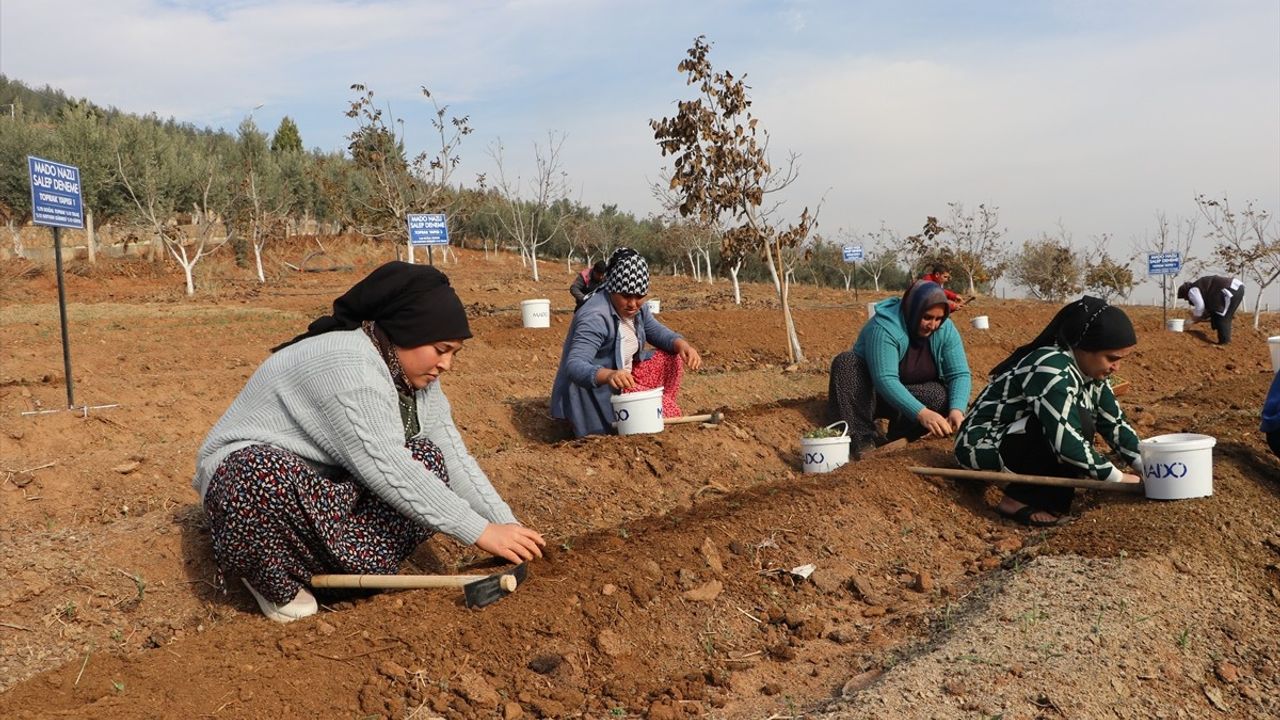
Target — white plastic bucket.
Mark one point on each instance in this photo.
(826, 454)
(654, 305)
(536, 313)
(871, 310)
(1274, 344)
(1174, 324)
(980, 322)
(638, 412)
(1177, 466)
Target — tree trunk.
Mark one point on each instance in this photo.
(794, 353)
(694, 266)
(773, 271)
(191, 285)
(711, 277)
(257, 261)
(90, 241)
(533, 258)
(737, 291)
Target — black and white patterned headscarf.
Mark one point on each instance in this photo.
(628, 273)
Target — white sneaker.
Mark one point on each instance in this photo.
(302, 605)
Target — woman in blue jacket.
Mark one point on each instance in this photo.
(605, 354)
(1271, 415)
(908, 365)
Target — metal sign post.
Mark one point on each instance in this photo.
(1164, 264)
(56, 201)
(427, 230)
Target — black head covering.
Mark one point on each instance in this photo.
(920, 296)
(601, 267)
(1089, 323)
(1183, 289)
(413, 304)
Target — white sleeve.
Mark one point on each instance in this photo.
(1197, 302)
(1226, 301)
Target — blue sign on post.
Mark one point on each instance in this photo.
(852, 253)
(428, 229)
(1165, 263)
(55, 193)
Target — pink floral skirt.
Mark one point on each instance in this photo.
(663, 370)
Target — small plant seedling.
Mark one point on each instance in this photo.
(1184, 637)
(822, 432)
(117, 685)
(618, 711)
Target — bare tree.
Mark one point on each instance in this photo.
(881, 253)
(153, 211)
(722, 173)
(528, 220)
(394, 186)
(1176, 236)
(1247, 244)
(975, 240)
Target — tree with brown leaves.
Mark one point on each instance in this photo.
(722, 173)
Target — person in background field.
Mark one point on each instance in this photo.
(1045, 401)
(908, 365)
(1215, 298)
(604, 352)
(1271, 416)
(941, 274)
(587, 282)
(340, 454)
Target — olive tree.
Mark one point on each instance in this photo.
(722, 173)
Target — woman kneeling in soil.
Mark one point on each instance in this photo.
(907, 365)
(1039, 414)
(340, 454)
(604, 352)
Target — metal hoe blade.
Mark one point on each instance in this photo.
(493, 588)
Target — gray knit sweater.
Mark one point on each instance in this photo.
(329, 399)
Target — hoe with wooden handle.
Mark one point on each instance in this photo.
(714, 418)
(478, 590)
(1002, 478)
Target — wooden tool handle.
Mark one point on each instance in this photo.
(387, 582)
(1004, 477)
(688, 419)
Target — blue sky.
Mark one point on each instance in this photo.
(1093, 113)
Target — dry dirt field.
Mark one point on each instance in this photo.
(665, 593)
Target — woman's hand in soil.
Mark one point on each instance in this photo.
(937, 425)
(516, 543)
(955, 417)
(1129, 478)
(689, 354)
(617, 379)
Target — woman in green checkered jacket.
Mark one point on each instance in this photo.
(1043, 406)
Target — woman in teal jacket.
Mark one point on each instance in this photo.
(908, 365)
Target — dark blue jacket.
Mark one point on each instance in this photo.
(593, 343)
(1271, 408)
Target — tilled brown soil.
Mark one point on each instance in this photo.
(666, 593)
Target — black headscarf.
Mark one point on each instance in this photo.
(413, 304)
(920, 296)
(1183, 290)
(1089, 323)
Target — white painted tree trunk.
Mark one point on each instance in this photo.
(695, 266)
(737, 289)
(90, 240)
(257, 262)
(533, 258)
